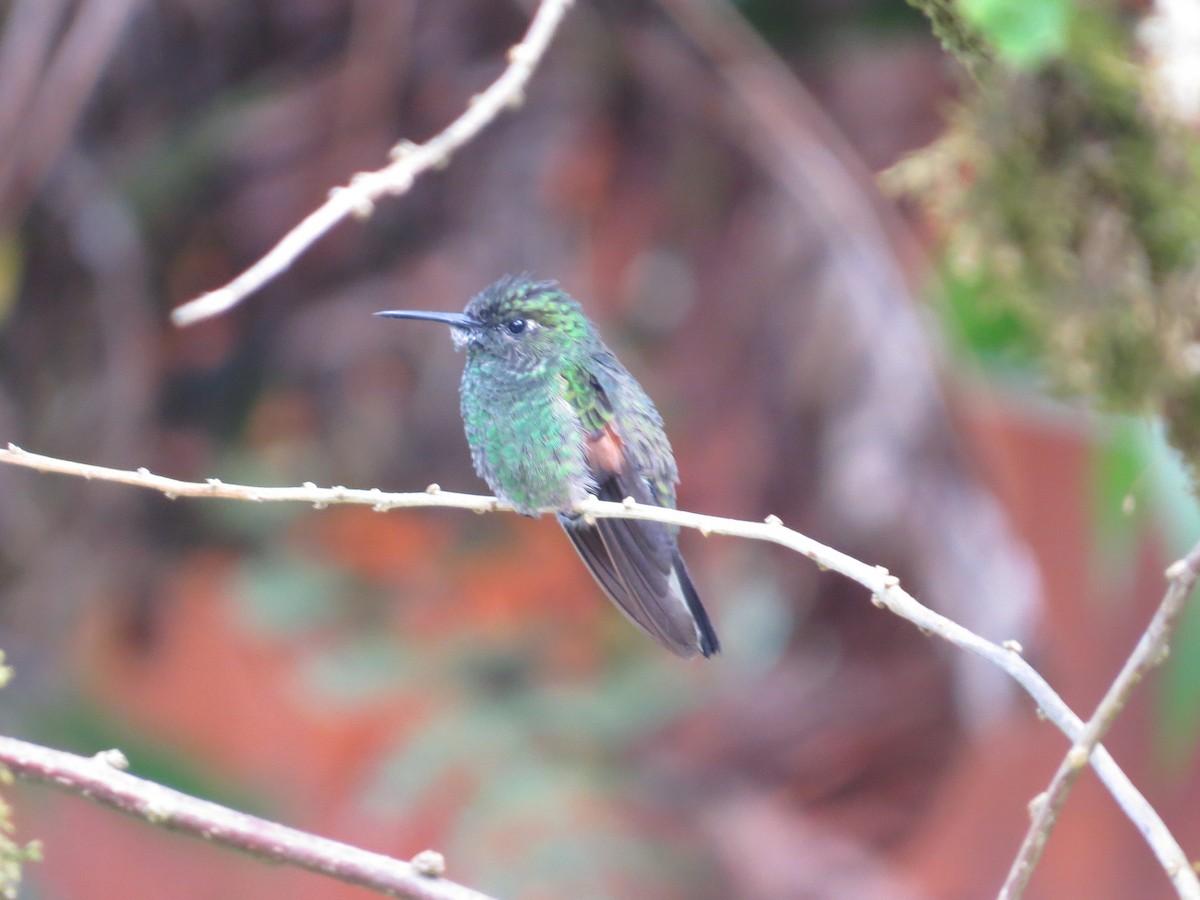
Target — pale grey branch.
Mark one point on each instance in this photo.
(884, 587)
(100, 779)
(409, 160)
(1152, 648)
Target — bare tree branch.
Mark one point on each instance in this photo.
(99, 778)
(409, 160)
(773, 100)
(884, 587)
(1151, 650)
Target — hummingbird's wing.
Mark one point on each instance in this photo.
(637, 563)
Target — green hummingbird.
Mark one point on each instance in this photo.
(552, 416)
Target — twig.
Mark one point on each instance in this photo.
(1152, 648)
(884, 587)
(408, 161)
(772, 102)
(101, 780)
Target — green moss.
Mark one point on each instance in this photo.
(1077, 213)
(959, 38)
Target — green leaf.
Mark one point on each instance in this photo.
(979, 325)
(1025, 33)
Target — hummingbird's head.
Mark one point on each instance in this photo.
(525, 323)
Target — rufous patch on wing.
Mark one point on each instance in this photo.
(606, 451)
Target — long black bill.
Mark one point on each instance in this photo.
(454, 320)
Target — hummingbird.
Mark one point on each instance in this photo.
(552, 417)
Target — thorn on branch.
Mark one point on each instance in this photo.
(401, 150)
(429, 863)
(112, 757)
(1177, 570)
(156, 811)
(361, 206)
(1036, 804)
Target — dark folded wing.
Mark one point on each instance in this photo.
(638, 566)
(637, 563)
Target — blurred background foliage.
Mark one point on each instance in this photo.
(428, 678)
(1071, 248)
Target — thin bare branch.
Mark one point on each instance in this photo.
(884, 587)
(409, 160)
(1151, 650)
(100, 779)
(772, 101)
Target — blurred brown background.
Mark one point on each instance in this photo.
(429, 678)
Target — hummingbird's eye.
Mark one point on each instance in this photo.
(515, 326)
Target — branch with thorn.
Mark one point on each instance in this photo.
(1151, 651)
(885, 592)
(409, 160)
(100, 778)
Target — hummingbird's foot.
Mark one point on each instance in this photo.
(575, 517)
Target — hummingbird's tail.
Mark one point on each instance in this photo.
(709, 644)
(639, 566)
